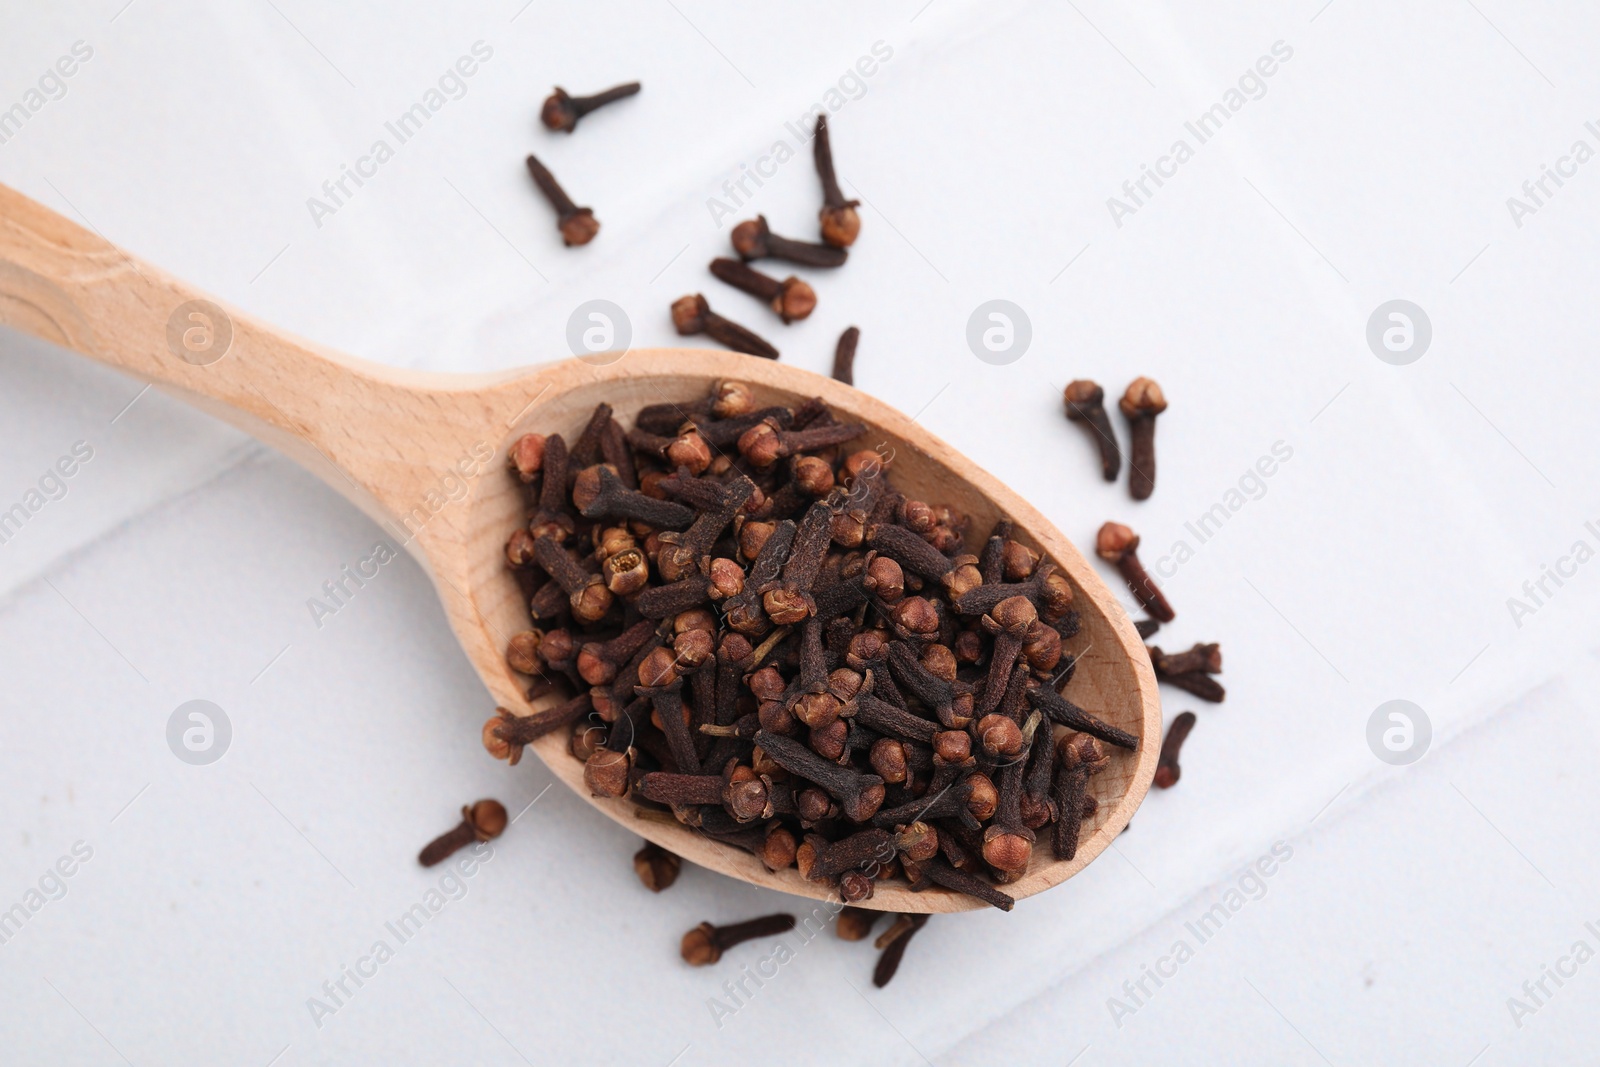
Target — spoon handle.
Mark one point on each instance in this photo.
(377, 434)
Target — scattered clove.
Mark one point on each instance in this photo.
(691, 315)
(1202, 657)
(561, 112)
(1140, 405)
(753, 240)
(1201, 685)
(840, 222)
(577, 224)
(656, 867)
(1119, 545)
(844, 356)
(791, 299)
(1191, 670)
(706, 943)
(482, 821)
(855, 924)
(1085, 402)
(893, 942)
(1167, 769)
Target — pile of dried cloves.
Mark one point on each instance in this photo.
(766, 640)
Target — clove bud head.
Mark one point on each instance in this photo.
(840, 225)
(522, 652)
(656, 867)
(1115, 541)
(795, 300)
(689, 314)
(579, 228)
(606, 773)
(732, 399)
(487, 818)
(526, 456)
(1080, 395)
(558, 113)
(1006, 850)
(1000, 737)
(1143, 398)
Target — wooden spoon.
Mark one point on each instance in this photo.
(401, 444)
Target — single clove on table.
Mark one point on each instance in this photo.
(561, 111)
(1191, 671)
(795, 658)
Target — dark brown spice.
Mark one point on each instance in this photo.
(840, 221)
(779, 649)
(561, 111)
(1202, 658)
(1201, 685)
(894, 947)
(656, 867)
(855, 924)
(790, 299)
(706, 943)
(482, 821)
(753, 240)
(1085, 402)
(1140, 405)
(577, 224)
(844, 356)
(1119, 545)
(693, 315)
(505, 734)
(1167, 769)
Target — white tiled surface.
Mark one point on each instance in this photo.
(1376, 565)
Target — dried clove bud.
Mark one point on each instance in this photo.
(482, 821)
(840, 222)
(577, 224)
(753, 240)
(1085, 402)
(1118, 544)
(656, 867)
(790, 299)
(692, 315)
(844, 356)
(1140, 405)
(1167, 769)
(561, 111)
(706, 943)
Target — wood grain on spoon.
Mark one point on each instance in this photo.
(395, 441)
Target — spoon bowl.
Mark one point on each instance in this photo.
(424, 454)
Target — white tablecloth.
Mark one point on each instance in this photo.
(1336, 156)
